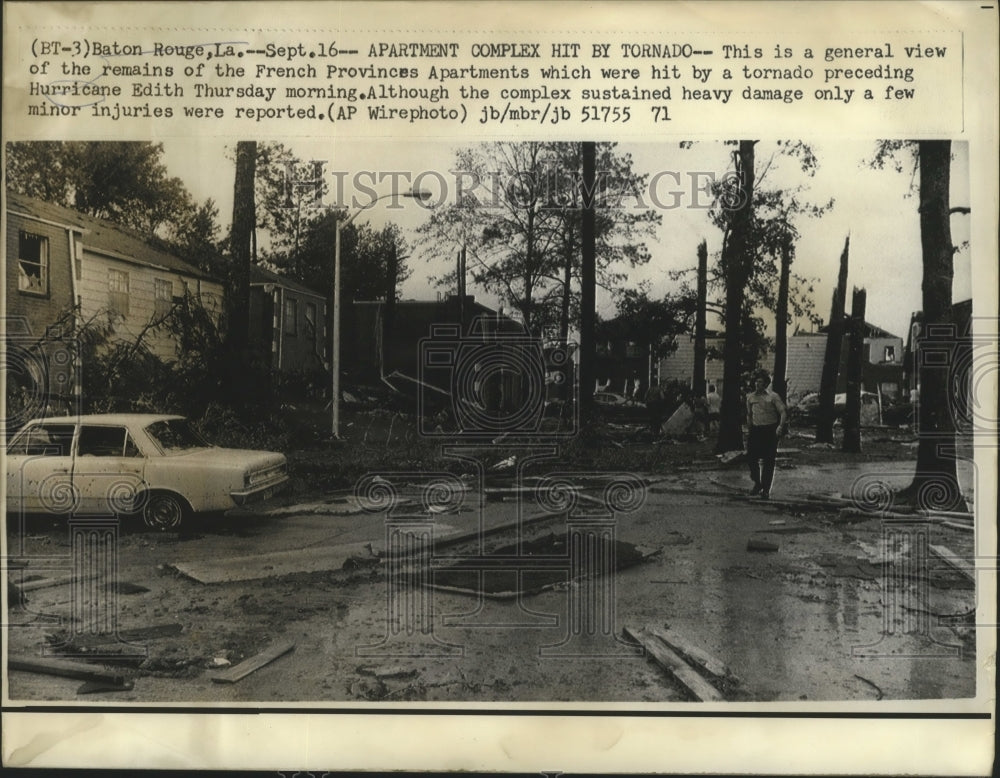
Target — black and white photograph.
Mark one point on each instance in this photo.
(555, 466)
(576, 386)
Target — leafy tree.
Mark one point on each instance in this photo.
(290, 200)
(125, 183)
(195, 237)
(519, 217)
(654, 324)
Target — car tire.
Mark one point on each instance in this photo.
(164, 511)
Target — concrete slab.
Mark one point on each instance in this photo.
(278, 563)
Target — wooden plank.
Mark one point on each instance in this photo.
(958, 525)
(947, 514)
(64, 668)
(44, 583)
(666, 658)
(692, 652)
(254, 663)
(124, 636)
(949, 556)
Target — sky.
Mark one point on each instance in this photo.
(877, 208)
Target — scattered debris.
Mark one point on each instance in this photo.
(963, 566)
(679, 422)
(777, 523)
(220, 661)
(123, 636)
(505, 464)
(878, 691)
(761, 545)
(254, 663)
(670, 661)
(368, 689)
(729, 457)
(65, 669)
(693, 654)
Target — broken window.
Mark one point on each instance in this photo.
(33, 263)
(118, 291)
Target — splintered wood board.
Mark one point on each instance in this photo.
(64, 668)
(254, 663)
(949, 556)
(670, 661)
(692, 652)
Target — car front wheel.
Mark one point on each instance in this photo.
(164, 511)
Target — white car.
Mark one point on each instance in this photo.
(128, 463)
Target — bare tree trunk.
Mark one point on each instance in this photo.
(698, 381)
(779, 383)
(935, 484)
(389, 307)
(566, 390)
(588, 280)
(736, 262)
(855, 360)
(241, 235)
(831, 359)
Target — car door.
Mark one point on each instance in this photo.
(40, 468)
(108, 471)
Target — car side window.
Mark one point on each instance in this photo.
(48, 440)
(106, 442)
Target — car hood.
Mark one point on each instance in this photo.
(247, 458)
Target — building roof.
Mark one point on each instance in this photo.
(871, 331)
(261, 275)
(103, 236)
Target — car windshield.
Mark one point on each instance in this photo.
(174, 436)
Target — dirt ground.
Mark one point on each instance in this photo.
(842, 608)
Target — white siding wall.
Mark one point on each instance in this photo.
(93, 290)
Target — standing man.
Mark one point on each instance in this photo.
(768, 420)
(714, 402)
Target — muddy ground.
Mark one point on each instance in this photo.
(841, 609)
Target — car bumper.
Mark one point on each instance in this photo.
(260, 493)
